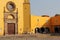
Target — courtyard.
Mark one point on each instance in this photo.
(31, 37)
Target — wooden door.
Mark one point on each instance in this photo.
(11, 28)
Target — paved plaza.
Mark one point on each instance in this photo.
(30, 37)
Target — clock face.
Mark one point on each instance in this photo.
(10, 6)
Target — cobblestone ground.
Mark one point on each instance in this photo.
(30, 37)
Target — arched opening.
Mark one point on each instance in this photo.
(47, 30)
(56, 30)
(37, 30)
(11, 16)
(42, 30)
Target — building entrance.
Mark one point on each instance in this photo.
(57, 29)
(11, 28)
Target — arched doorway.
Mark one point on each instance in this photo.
(56, 29)
(37, 30)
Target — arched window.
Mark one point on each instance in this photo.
(11, 16)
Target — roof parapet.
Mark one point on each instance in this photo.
(45, 16)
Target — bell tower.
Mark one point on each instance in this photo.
(26, 14)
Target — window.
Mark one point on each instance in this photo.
(10, 6)
(11, 16)
(38, 20)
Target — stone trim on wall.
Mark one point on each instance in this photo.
(15, 20)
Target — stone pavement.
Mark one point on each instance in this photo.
(30, 37)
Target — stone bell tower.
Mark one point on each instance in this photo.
(26, 13)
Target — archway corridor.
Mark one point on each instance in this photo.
(42, 30)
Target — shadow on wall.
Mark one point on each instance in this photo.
(56, 25)
(52, 26)
(46, 27)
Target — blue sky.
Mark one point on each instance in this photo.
(45, 7)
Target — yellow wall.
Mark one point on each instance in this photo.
(23, 18)
(26, 11)
(41, 23)
(20, 15)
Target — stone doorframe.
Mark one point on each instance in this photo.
(6, 21)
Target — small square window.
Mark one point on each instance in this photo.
(37, 19)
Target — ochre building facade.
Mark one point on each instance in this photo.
(15, 18)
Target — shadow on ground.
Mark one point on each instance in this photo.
(54, 34)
